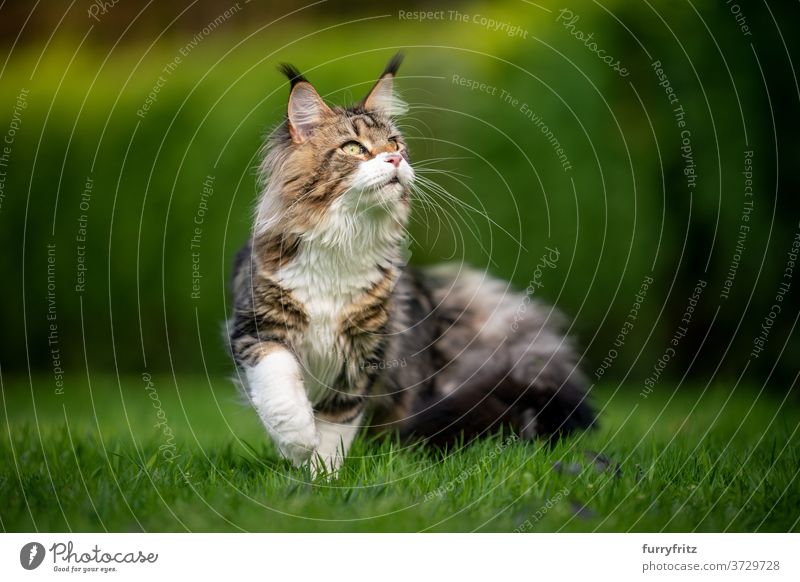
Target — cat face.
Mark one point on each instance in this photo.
(336, 163)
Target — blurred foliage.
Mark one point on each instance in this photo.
(622, 212)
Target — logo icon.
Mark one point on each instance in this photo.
(31, 555)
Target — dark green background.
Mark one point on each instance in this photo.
(622, 212)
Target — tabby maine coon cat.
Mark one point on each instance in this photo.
(331, 332)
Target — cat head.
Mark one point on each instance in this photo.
(329, 165)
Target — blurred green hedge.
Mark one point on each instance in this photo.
(620, 213)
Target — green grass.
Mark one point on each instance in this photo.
(89, 460)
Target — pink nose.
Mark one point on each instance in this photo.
(394, 159)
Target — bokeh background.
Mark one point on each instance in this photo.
(74, 92)
(660, 185)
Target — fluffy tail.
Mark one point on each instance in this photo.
(478, 411)
(505, 363)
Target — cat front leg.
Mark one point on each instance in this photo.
(337, 432)
(275, 386)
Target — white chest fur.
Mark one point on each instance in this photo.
(326, 279)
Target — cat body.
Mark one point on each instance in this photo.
(332, 332)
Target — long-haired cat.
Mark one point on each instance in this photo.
(332, 332)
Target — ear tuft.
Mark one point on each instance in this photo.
(292, 73)
(381, 97)
(306, 108)
(394, 64)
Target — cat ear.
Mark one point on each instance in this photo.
(381, 97)
(306, 108)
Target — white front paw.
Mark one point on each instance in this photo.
(298, 443)
(276, 390)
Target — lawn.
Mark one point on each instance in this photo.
(184, 454)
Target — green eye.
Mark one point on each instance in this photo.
(354, 148)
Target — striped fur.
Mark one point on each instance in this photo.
(328, 320)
